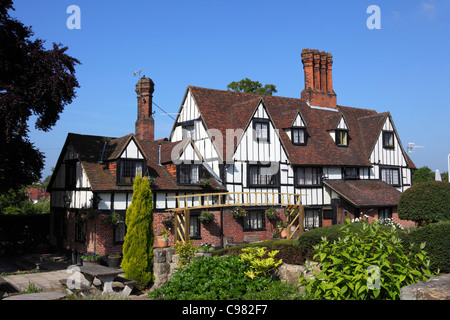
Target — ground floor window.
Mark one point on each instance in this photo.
(384, 213)
(312, 218)
(80, 227)
(120, 230)
(194, 227)
(255, 220)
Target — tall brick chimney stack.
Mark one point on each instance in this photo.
(317, 66)
(145, 125)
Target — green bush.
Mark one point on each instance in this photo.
(211, 278)
(426, 202)
(137, 262)
(276, 290)
(437, 238)
(366, 263)
(313, 237)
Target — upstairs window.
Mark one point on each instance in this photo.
(263, 175)
(127, 170)
(391, 176)
(342, 138)
(71, 174)
(308, 176)
(299, 136)
(350, 173)
(261, 128)
(189, 173)
(388, 139)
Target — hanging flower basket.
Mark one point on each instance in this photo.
(168, 220)
(272, 214)
(113, 219)
(206, 217)
(238, 212)
(203, 183)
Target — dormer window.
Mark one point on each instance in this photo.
(261, 128)
(188, 173)
(342, 138)
(298, 136)
(388, 139)
(128, 169)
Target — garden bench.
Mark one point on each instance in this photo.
(251, 238)
(229, 242)
(128, 283)
(76, 287)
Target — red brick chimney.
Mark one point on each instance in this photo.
(145, 125)
(317, 66)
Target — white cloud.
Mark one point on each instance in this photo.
(428, 9)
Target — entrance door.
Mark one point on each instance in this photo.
(59, 227)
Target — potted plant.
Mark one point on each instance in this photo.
(203, 182)
(238, 212)
(272, 214)
(162, 238)
(281, 227)
(151, 180)
(114, 260)
(90, 258)
(206, 217)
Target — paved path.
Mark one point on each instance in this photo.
(44, 280)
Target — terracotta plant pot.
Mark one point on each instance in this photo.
(162, 243)
(283, 233)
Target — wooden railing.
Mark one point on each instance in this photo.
(232, 199)
(292, 201)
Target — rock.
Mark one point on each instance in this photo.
(437, 288)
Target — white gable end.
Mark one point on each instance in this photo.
(299, 122)
(132, 151)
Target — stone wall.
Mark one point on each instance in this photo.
(437, 288)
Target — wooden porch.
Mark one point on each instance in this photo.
(294, 209)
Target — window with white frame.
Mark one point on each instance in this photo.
(261, 128)
(298, 136)
(391, 176)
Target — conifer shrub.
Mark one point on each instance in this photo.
(137, 262)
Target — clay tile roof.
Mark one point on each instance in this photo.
(365, 193)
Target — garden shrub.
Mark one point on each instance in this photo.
(260, 261)
(437, 238)
(313, 237)
(366, 263)
(211, 278)
(425, 202)
(137, 262)
(186, 252)
(276, 290)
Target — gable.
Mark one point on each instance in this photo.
(131, 151)
(298, 121)
(342, 124)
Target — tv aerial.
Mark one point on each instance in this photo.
(138, 72)
(412, 146)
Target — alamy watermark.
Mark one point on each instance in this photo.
(374, 20)
(74, 20)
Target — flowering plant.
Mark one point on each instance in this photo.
(90, 256)
(164, 233)
(272, 213)
(203, 182)
(238, 212)
(168, 220)
(206, 217)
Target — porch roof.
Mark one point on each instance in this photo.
(365, 193)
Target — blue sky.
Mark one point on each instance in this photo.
(403, 67)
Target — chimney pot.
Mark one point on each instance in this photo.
(317, 66)
(145, 124)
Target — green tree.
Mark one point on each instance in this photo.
(426, 202)
(137, 262)
(423, 174)
(247, 85)
(33, 81)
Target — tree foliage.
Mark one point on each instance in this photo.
(33, 81)
(425, 202)
(247, 85)
(137, 262)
